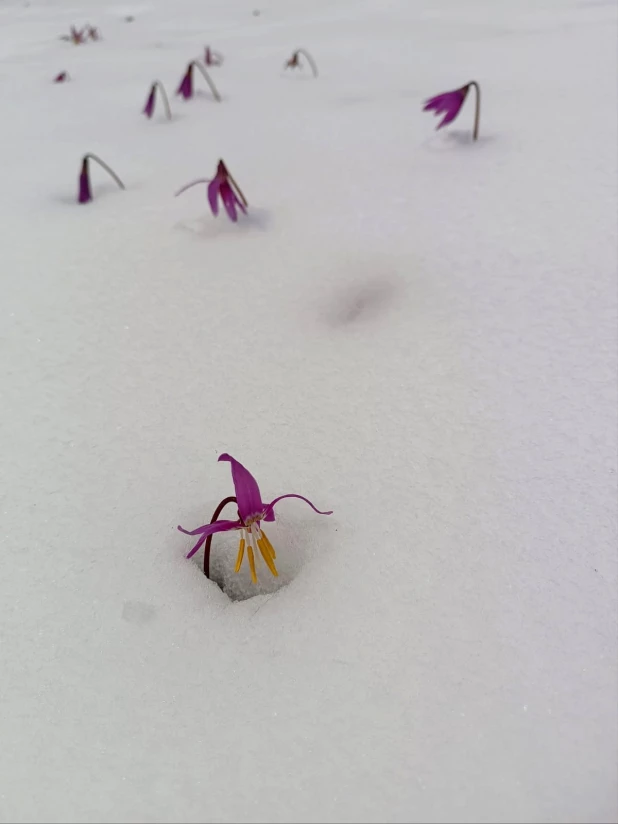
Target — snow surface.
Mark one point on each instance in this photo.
(414, 330)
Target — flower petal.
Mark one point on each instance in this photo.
(149, 107)
(270, 507)
(214, 188)
(229, 200)
(208, 529)
(248, 495)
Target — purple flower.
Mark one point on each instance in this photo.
(251, 512)
(449, 103)
(224, 186)
(77, 36)
(221, 187)
(61, 78)
(85, 193)
(149, 107)
(186, 84)
(212, 58)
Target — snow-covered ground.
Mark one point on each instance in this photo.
(411, 329)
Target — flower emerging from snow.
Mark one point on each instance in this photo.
(251, 512)
(92, 32)
(450, 103)
(294, 61)
(61, 78)
(212, 58)
(185, 89)
(150, 102)
(225, 187)
(84, 194)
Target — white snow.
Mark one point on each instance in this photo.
(414, 330)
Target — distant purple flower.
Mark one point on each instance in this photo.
(93, 33)
(450, 103)
(149, 107)
(61, 78)
(221, 186)
(85, 192)
(251, 512)
(186, 84)
(77, 36)
(212, 58)
(225, 187)
(294, 61)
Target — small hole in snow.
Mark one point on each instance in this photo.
(293, 552)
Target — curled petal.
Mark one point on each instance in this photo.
(230, 201)
(247, 491)
(270, 507)
(214, 188)
(209, 529)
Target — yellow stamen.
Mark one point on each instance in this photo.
(241, 553)
(268, 544)
(252, 564)
(267, 557)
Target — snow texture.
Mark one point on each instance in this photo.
(410, 328)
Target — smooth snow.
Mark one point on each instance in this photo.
(414, 330)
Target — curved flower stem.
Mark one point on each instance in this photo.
(310, 60)
(189, 185)
(218, 511)
(166, 102)
(213, 89)
(477, 114)
(90, 156)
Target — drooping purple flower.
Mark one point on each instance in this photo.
(61, 78)
(77, 36)
(251, 512)
(212, 58)
(225, 187)
(185, 89)
(85, 193)
(222, 187)
(450, 103)
(150, 102)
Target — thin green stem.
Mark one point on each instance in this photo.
(202, 69)
(477, 113)
(90, 156)
(166, 102)
(310, 60)
(218, 511)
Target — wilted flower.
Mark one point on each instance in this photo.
(84, 193)
(148, 109)
(294, 61)
(185, 89)
(76, 36)
(450, 103)
(251, 512)
(224, 186)
(212, 58)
